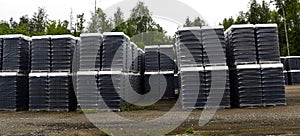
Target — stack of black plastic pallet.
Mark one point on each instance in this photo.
(14, 72)
(268, 56)
(114, 61)
(256, 78)
(190, 59)
(216, 69)
(50, 81)
(199, 59)
(167, 69)
(135, 77)
(245, 78)
(293, 70)
(159, 71)
(90, 50)
(285, 68)
(151, 75)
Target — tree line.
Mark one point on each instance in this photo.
(286, 15)
(143, 30)
(140, 27)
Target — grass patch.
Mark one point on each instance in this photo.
(130, 107)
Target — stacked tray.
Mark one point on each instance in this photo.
(114, 51)
(41, 53)
(62, 50)
(267, 43)
(213, 41)
(110, 86)
(273, 84)
(217, 79)
(61, 93)
(240, 45)
(246, 86)
(15, 53)
(87, 92)
(38, 92)
(189, 47)
(166, 58)
(90, 51)
(152, 58)
(13, 91)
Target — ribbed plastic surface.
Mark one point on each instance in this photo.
(114, 52)
(267, 43)
(41, 54)
(273, 84)
(152, 58)
(13, 91)
(240, 44)
(246, 86)
(90, 51)
(15, 53)
(62, 50)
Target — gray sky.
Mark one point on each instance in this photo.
(213, 11)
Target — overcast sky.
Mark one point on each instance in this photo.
(213, 11)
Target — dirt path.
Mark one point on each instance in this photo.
(255, 121)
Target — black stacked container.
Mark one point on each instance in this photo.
(213, 41)
(189, 47)
(62, 50)
(15, 53)
(39, 92)
(267, 43)
(293, 70)
(152, 58)
(13, 91)
(41, 54)
(273, 85)
(88, 95)
(246, 86)
(52, 59)
(114, 52)
(90, 52)
(14, 72)
(240, 45)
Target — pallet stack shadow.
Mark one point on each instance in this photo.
(256, 74)
(108, 66)
(159, 71)
(291, 69)
(50, 80)
(202, 63)
(14, 65)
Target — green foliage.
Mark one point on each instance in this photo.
(99, 22)
(79, 26)
(57, 28)
(197, 22)
(104, 133)
(286, 10)
(118, 17)
(130, 107)
(190, 130)
(141, 28)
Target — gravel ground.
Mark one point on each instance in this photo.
(282, 120)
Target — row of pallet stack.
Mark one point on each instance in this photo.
(291, 69)
(240, 68)
(202, 68)
(14, 69)
(159, 76)
(50, 79)
(109, 64)
(256, 74)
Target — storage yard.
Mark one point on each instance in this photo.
(282, 120)
(50, 80)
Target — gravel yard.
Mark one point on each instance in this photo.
(282, 120)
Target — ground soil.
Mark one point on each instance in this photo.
(281, 120)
